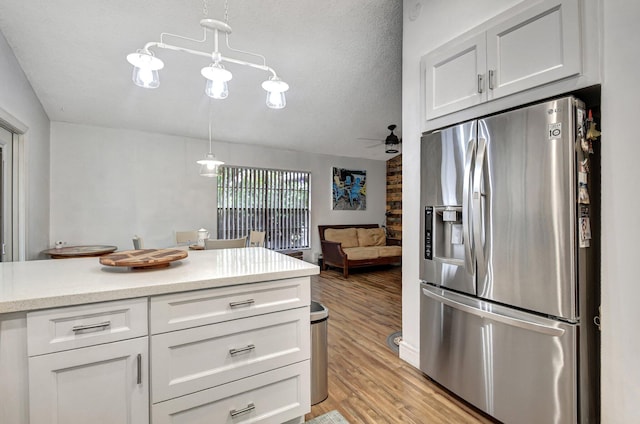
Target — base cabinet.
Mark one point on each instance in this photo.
(106, 384)
(273, 397)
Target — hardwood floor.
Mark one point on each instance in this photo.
(368, 383)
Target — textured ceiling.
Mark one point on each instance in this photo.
(342, 59)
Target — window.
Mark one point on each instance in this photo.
(270, 200)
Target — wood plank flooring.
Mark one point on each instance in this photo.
(368, 383)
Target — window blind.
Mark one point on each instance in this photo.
(270, 200)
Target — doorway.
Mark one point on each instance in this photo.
(6, 195)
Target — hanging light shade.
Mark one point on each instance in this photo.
(275, 88)
(217, 78)
(209, 165)
(145, 69)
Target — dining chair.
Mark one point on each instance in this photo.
(210, 244)
(186, 237)
(256, 238)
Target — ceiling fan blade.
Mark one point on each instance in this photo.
(370, 139)
(373, 145)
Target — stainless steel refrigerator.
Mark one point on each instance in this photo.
(509, 263)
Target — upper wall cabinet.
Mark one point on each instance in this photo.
(536, 46)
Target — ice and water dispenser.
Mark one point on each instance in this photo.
(443, 263)
(443, 234)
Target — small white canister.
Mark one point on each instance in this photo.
(203, 234)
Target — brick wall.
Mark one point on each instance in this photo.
(394, 198)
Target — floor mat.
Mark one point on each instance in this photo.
(331, 417)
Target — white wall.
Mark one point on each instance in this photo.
(437, 23)
(109, 184)
(18, 99)
(621, 203)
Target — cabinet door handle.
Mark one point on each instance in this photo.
(242, 303)
(235, 412)
(247, 348)
(90, 326)
(139, 361)
(491, 79)
(480, 84)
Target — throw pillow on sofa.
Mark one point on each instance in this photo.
(371, 237)
(348, 237)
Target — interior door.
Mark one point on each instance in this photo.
(526, 207)
(447, 258)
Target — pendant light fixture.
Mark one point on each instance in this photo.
(146, 64)
(209, 165)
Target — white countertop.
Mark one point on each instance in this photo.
(31, 285)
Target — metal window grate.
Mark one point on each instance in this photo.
(277, 202)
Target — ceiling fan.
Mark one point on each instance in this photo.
(391, 143)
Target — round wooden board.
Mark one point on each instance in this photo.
(144, 258)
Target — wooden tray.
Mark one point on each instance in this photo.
(144, 258)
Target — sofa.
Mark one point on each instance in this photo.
(351, 246)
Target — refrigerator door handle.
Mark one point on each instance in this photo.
(469, 257)
(514, 322)
(477, 196)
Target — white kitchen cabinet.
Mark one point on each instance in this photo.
(454, 76)
(72, 327)
(106, 384)
(273, 397)
(232, 355)
(207, 356)
(536, 46)
(178, 311)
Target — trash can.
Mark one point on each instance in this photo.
(319, 354)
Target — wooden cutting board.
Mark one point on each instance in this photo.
(143, 258)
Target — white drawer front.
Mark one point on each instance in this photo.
(269, 398)
(203, 357)
(54, 330)
(184, 310)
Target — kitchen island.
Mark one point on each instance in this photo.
(221, 334)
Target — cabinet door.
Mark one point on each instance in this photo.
(106, 384)
(454, 76)
(535, 47)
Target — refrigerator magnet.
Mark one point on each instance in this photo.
(585, 232)
(583, 165)
(583, 195)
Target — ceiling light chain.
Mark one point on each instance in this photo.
(146, 64)
(205, 8)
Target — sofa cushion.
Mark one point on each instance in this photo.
(348, 237)
(371, 237)
(385, 251)
(356, 253)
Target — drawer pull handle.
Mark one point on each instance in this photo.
(242, 303)
(91, 326)
(139, 361)
(235, 412)
(248, 348)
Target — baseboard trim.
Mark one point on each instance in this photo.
(410, 354)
